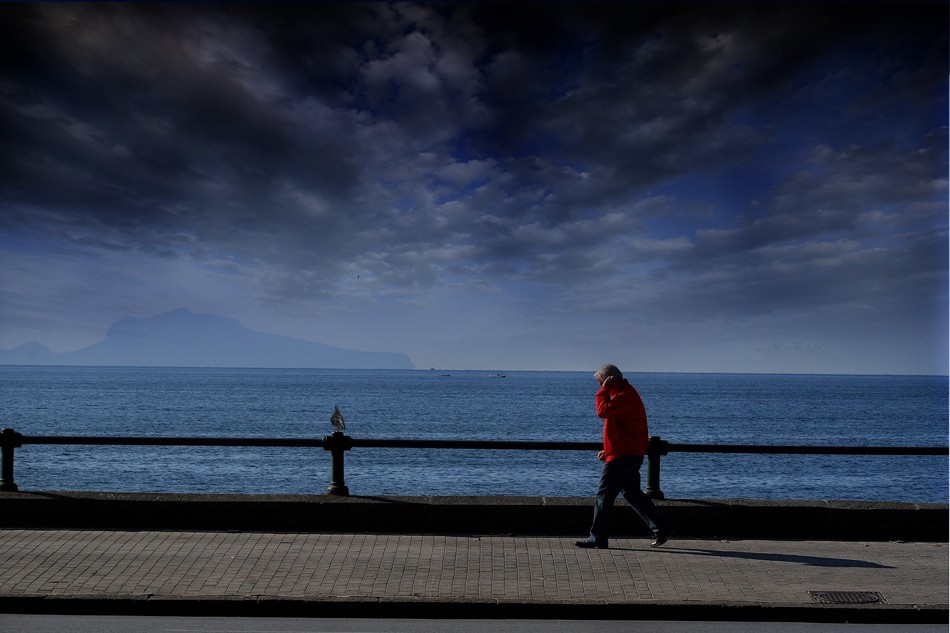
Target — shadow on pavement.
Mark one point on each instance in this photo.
(815, 561)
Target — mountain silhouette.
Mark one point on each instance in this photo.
(181, 338)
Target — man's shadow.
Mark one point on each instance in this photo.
(816, 561)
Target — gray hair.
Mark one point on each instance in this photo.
(606, 371)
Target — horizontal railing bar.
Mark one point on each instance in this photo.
(684, 448)
(337, 444)
(477, 445)
(172, 441)
(808, 450)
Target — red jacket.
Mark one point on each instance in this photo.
(625, 420)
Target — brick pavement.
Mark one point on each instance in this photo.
(39, 568)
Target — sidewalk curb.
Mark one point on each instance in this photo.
(343, 607)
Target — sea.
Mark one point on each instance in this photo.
(753, 409)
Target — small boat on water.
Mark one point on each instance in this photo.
(498, 375)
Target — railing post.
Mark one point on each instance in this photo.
(655, 449)
(337, 443)
(9, 440)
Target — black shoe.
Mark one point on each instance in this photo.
(591, 544)
(661, 537)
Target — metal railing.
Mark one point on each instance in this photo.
(337, 444)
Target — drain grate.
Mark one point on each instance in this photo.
(846, 597)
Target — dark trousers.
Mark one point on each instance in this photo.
(623, 475)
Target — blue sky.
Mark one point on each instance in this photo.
(756, 187)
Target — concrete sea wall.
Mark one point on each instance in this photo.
(705, 518)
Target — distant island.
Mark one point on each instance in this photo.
(182, 338)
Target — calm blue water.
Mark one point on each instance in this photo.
(683, 408)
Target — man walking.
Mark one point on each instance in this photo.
(625, 443)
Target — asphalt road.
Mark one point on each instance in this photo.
(14, 623)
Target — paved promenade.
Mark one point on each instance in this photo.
(388, 575)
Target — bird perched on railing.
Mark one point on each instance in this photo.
(337, 419)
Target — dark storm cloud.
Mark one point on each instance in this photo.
(421, 144)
